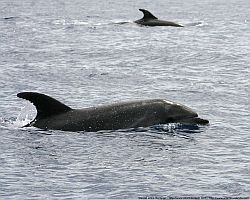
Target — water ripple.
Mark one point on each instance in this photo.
(76, 52)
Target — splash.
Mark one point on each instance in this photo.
(27, 114)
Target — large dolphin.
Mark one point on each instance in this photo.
(150, 20)
(52, 114)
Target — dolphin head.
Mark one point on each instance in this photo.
(177, 113)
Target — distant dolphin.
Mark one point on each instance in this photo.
(150, 20)
(52, 114)
(10, 18)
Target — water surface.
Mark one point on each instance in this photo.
(79, 53)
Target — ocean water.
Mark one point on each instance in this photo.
(84, 54)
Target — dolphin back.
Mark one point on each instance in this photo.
(45, 105)
(150, 20)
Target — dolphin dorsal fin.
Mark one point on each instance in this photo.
(147, 14)
(46, 106)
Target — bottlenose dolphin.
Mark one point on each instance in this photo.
(52, 114)
(150, 20)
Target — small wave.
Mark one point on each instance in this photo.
(195, 24)
(171, 128)
(78, 22)
(93, 16)
(72, 23)
(69, 22)
(92, 75)
(3, 122)
(113, 22)
(120, 22)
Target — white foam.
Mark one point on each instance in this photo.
(27, 114)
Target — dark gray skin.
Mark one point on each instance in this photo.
(150, 20)
(52, 114)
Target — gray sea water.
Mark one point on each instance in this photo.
(81, 53)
